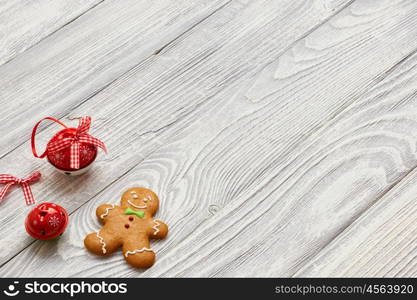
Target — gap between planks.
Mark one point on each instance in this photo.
(312, 31)
(108, 85)
(12, 57)
(60, 67)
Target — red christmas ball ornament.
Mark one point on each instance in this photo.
(71, 150)
(46, 221)
(61, 159)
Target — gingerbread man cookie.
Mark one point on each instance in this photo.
(129, 226)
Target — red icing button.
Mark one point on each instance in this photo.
(130, 218)
(127, 226)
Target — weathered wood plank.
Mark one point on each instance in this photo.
(381, 243)
(153, 102)
(25, 23)
(273, 174)
(319, 186)
(77, 61)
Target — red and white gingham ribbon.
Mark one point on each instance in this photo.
(81, 136)
(10, 180)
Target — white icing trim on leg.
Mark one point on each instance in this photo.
(107, 211)
(155, 227)
(103, 244)
(138, 251)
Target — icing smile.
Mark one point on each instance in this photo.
(137, 206)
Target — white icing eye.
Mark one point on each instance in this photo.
(135, 196)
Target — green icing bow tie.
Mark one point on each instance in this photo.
(130, 211)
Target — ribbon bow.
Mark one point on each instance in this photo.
(81, 136)
(130, 211)
(10, 180)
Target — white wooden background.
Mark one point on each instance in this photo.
(280, 135)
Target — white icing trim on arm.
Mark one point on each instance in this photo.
(107, 211)
(155, 227)
(138, 251)
(103, 244)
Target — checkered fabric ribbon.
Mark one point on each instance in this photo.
(81, 137)
(11, 180)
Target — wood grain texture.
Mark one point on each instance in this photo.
(319, 186)
(381, 243)
(182, 61)
(62, 188)
(249, 187)
(25, 23)
(74, 63)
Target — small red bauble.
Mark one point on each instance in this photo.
(61, 159)
(71, 150)
(46, 221)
